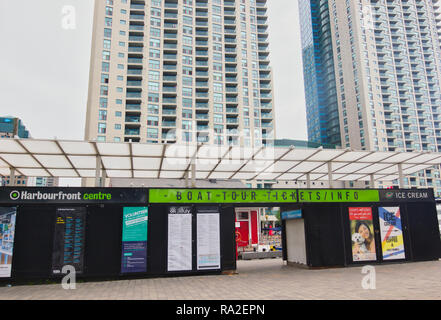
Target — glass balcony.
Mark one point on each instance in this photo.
(169, 123)
(168, 45)
(133, 94)
(169, 78)
(137, 17)
(136, 49)
(167, 56)
(201, 105)
(135, 60)
(169, 67)
(136, 27)
(130, 106)
(169, 100)
(133, 119)
(137, 6)
(169, 89)
(136, 38)
(170, 35)
(169, 25)
(171, 15)
(131, 132)
(134, 83)
(170, 112)
(172, 5)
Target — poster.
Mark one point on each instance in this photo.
(391, 233)
(179, 239)
(208, 240)
(69, 238)
(134, 240)
(7, 232)
(362, 234)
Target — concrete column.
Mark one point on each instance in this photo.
(308, 180)
(372, 181)
(400, 175)
(12, 177)
(330, 179)
(186, 179)
(193, 174)
(98, 172)
(103, 178)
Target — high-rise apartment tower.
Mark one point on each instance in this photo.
(372, 75)
(188, 71)
(372, 71)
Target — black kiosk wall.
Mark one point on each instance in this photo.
(327, 228)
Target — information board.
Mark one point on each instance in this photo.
(7, 232)
(68, 248)
(179, 239)
(134, 240)
(208, 240)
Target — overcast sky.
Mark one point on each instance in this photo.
(44, 69)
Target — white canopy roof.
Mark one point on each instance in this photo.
(67, 159)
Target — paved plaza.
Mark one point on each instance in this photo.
(269, 279)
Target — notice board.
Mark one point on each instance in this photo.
(134, 240)
(69, 236)
(179, 249)
(208, 239)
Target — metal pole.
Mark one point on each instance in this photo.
(98, 172)
(401, 175)
(12, 177)
(103, 178)
(193, 174)
(372, 181)
(331, 185)
(308, 180)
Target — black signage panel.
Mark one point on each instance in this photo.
(13, 195)
(68, 249)
(408, 195)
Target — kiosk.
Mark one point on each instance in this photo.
(140, 232)
(349, 227)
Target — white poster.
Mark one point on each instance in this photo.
(208, 241)
(179, 239)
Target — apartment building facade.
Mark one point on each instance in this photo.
(372, 76)
(191, 71)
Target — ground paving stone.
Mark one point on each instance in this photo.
(259, 279)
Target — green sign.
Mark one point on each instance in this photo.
(186, 196)
(222, 196)
(337, 195)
